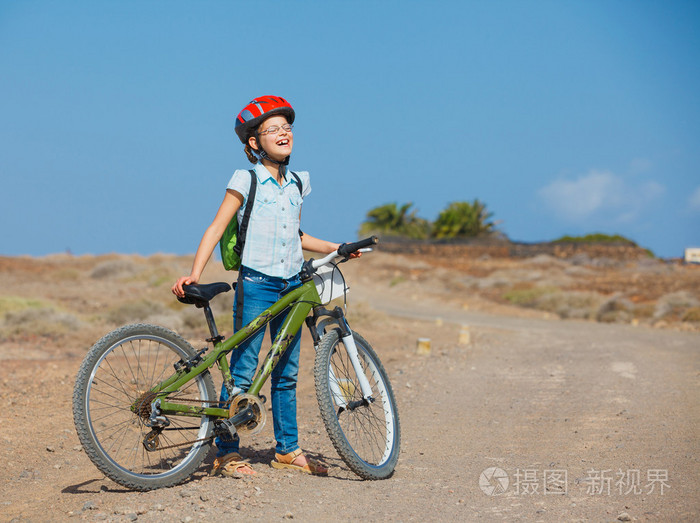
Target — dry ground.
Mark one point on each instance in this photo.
(609, 403)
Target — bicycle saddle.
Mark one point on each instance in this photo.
(201, 294)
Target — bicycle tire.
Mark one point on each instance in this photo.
(368, 437)
(115, 373)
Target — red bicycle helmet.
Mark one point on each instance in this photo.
(258, 110)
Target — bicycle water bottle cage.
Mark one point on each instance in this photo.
(200, 295)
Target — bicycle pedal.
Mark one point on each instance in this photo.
(225, 430)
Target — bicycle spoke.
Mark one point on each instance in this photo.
(114, 406)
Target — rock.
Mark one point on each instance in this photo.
(624, 516)
(289, 515)
(90, 505)
(29, 474)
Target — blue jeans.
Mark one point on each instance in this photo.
(259, 292)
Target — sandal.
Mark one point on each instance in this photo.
(286, 461)
(229, 466)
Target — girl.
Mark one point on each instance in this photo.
(270, 264)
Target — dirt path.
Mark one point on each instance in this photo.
(576, 421)
(613, 409)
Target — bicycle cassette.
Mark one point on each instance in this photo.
(243, 401)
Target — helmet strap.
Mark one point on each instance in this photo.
(282, 166)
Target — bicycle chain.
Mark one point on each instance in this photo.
(185, 443)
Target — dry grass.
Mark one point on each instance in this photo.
(80, 297)
(692, 315)
(39, 321)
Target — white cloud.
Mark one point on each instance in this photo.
(694, 200)
(599, 194)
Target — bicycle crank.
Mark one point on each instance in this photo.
(252, 421)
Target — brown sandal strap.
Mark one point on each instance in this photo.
(231, 463)
(288, 459)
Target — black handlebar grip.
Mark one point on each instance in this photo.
(348, 248)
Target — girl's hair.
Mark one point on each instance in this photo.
(250, 154)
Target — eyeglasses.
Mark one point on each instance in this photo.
(274, 129)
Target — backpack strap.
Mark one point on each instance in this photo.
(243, 226)
(297, 181)
(238, 317)
(238, 248)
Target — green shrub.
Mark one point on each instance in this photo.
(597, 237)
(527, 297)
(16, 303)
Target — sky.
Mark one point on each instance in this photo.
(563, 117)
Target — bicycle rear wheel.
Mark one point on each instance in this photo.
(366, 434)
(111, 405)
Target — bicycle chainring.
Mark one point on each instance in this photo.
(242, 401)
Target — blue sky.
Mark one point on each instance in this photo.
(564, 117)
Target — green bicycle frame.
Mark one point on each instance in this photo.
(299, 301)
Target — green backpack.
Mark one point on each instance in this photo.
(233, 239)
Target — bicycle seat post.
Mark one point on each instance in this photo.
(215, 336)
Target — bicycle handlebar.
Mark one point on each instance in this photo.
(345, 250)
(348, 248)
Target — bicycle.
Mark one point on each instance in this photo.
(146, 409)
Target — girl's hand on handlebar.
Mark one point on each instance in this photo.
(336, 246)
(352, 250)
(177, 288)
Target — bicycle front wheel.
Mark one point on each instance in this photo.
(366, 433)
(112, 403)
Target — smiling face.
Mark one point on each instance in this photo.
(277, 145)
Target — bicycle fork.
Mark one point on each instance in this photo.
(351, 349)
(343, 389)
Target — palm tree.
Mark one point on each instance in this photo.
(464, 219)
(395, 220)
